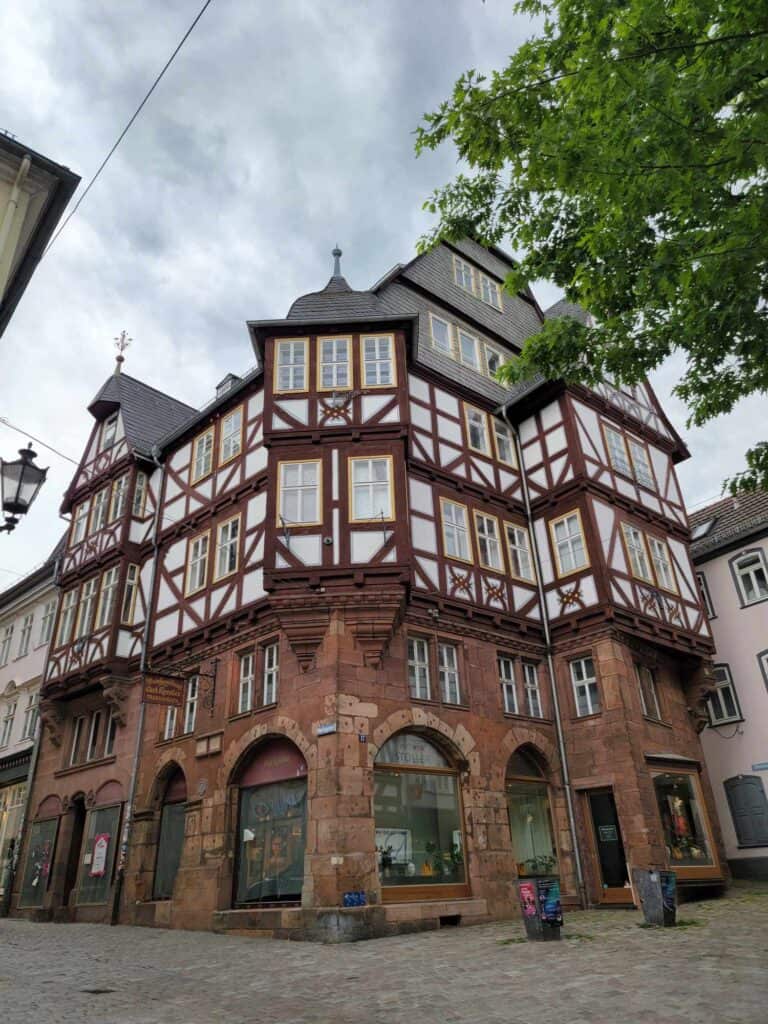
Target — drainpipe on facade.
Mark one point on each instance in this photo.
(550, 662)
(128, 822)
(5, 905)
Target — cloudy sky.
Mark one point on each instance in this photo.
(280, 129)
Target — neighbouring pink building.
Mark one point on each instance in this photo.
(730, 552)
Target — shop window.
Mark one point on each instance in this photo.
(171, 838)
(530, 817)
(11, 807)
(685, 833)
(37, 870)
(272, 825)
(419, 835)
(749, 809)
(98, 854)
(751, 577)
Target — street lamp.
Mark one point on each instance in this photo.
(19, 483)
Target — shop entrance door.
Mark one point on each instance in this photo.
(609, 849)
(75, 848)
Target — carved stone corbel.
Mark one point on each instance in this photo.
(52, 719)
(701, 687)
(115, 696)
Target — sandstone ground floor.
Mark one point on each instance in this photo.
(606, 968)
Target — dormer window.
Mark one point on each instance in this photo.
(490, 291)
(108, 431)
(476, 282)
(462, 272)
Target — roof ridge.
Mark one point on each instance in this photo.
(157, 391)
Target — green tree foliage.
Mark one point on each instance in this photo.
(623, 152)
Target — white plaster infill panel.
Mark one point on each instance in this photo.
(255, 461)
(307, 548)
(423, 534)
(166, 628)
(605, 518)
(421, 497)
(364, 544)
(253, 586)
(418, 388)
(421, 417)
(551, 416)
(447, 403)
(297, 408)
(449, 430)
(371, 404)
(556, 441)
(430, 570)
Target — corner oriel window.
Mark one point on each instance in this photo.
(617, 450)
(519, 550)
(87, 610)
(119, 493)
(568, 539)
(107, 597)
(638, 559)
(378, 360)
(333, 364)
(202, 456)
(128, 610)
(455, 530)
(371, 486)
(291, 365)
(99, 510)
(662, 564)
(298, 502)
(585, 687)
(231, 435)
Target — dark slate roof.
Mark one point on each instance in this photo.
(734, 519)
(337, 300)
(148, 414)
(566, 308)
(239, 385)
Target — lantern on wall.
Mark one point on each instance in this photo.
(19, 483)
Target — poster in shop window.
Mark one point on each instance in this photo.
(99, 858)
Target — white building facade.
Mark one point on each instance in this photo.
(730, 552)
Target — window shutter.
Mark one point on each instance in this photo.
(749, 809)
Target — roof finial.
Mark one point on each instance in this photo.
(121, 344)
(336, 253)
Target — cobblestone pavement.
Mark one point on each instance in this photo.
(607, 971)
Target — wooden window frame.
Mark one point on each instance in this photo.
(488, 452)
(347, 339)
(47, 622)
(141, 490)
(277, 390)
(460, 283)
(391, 486)
(110, 734)
(508, 685)
(495, 286)
(392, 358)
(278, 503)
(257, 652)
(113, 515)
(651, 540)
(77, 735)
(476, 367)
(607, 429)
(527, 663)
(468, 531)
(576, 683)
(500, 425)
(501, 569)
(94, 505)
(188, 563)
(249, 678)
(134, 584)
(706, 597)
(193, 477)
(723, 684)
(650, 579)
(216, 578)
(733, 564)
(25, 635)
(193, 702)
(456, 668)
(98, 624)
(632, 444)
(92, 744)
(265, 647)
(112, 419)
(81, 604)
(74, 540)
(451, 352)
(510, 558)
(426, 663)
(65, 613)
(552, 523)
(222, 439)
(653, 689)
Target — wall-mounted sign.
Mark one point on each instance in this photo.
(761, 766)
(326, 728)
(608, 833)
(167, 690)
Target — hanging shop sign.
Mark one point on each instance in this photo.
(167, 690)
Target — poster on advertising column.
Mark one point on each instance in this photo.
(99, 856)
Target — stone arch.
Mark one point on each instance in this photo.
(167, 770)
(49, 807)
(279, 728)
(110, 792)
(458, 743)
(523, 736)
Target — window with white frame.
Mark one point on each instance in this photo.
(291, 365)
(110, 734)
(751, 578)
(638, 559)
(490, 292)
(231, 443)
(80, 522)
(128, 610)
(469, 349)
(494, 360)
(617, 451)
(140, 495)
(202, 456)
(245, 682)
(31, 716)
(271, 673)
(463, 274)
(371, 481)
(227, 546)
(723, 702)
(455, 530)
(46, 623)
(519, 548)
(505, 446)
(119, 495)
(7, 727)
(441, 335)
(5, 645)
(109, 431)
(87, 609)
(94, 726)
(418, 668)
(507, 681)
(107, 597)
(477, 430)
(585, 689)
(705, 595)
(67, 620)
(570, 550)
(488, 542)
(197, 563)
(25, 636)
(662, 564)
(77, 733)
(378, 360)
(190, 704)
(334, 363)
(532, 689)
(640, 463)
(100, 509)
(649, 695)
(169, 726)
(448, 671)
(298, 499)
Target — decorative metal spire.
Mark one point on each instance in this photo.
(336, 253)
(121, 344)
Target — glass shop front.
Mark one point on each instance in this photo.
(683, 821)
(530, 817)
